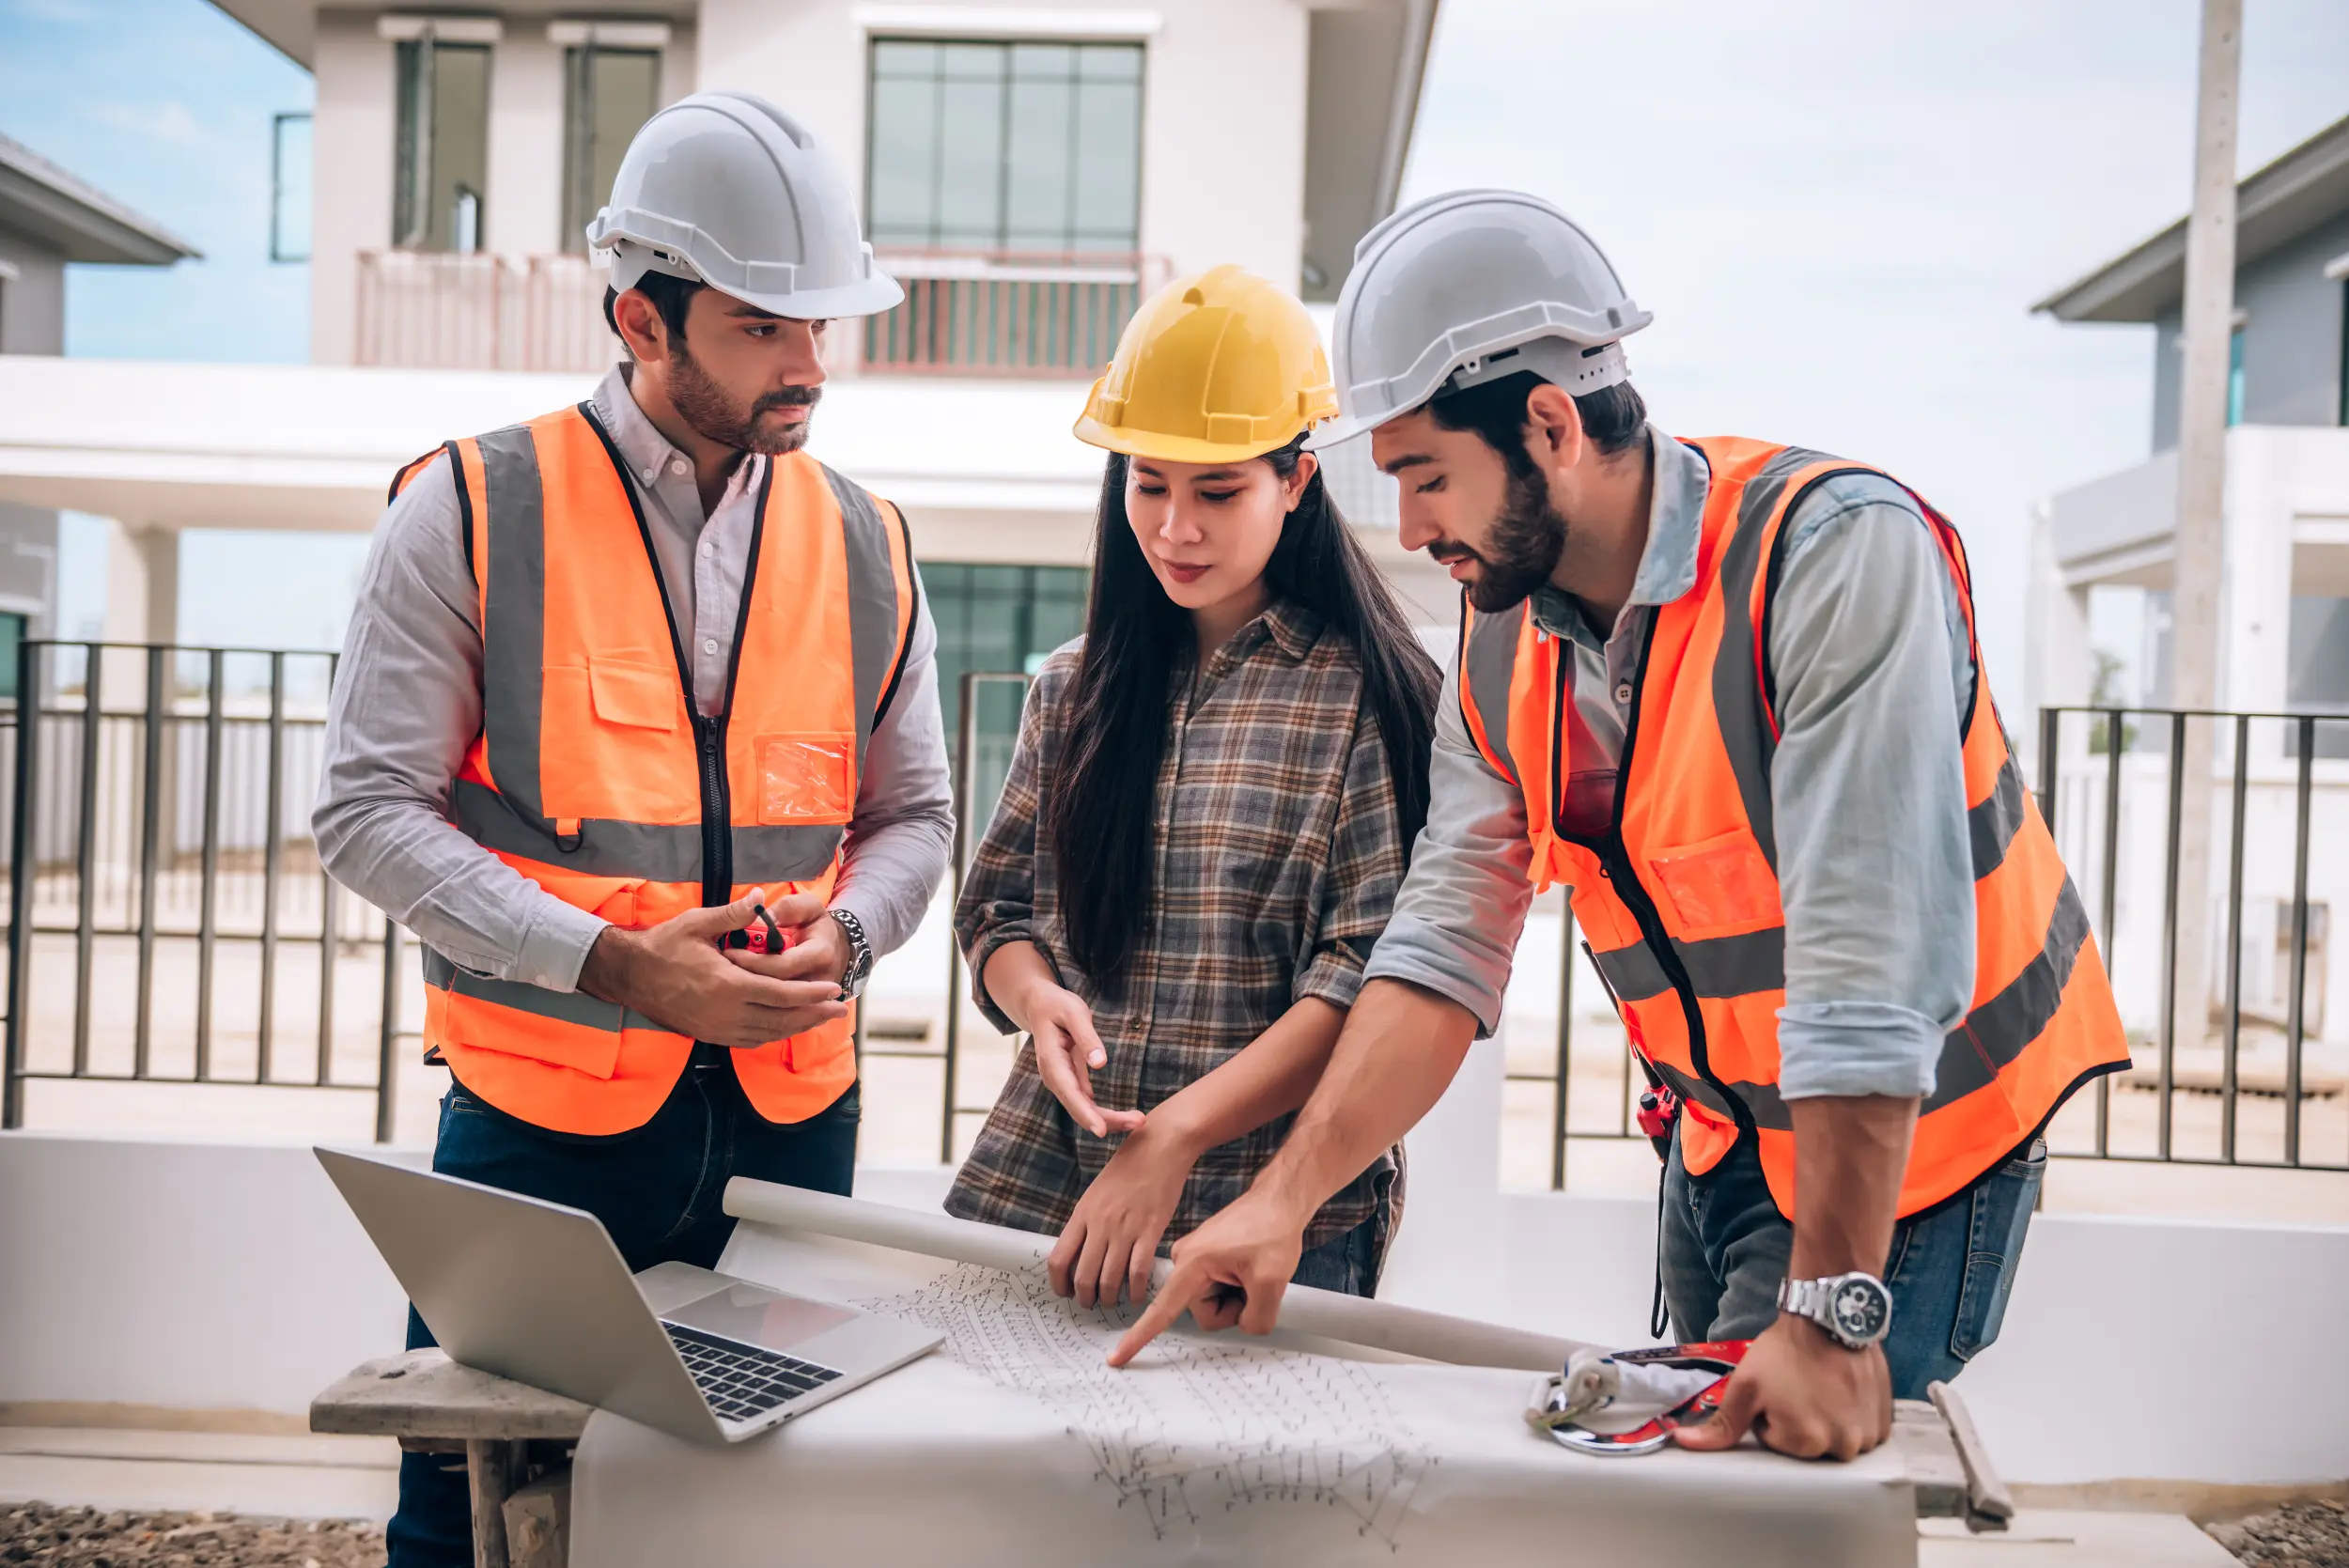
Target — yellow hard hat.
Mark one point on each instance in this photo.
(1213, 368)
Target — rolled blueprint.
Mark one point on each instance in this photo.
(1328, 1314)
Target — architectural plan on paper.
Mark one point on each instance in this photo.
(1210, 1429)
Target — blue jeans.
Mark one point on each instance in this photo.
(657, 1190)
(1349, 1264)
(1722, 1250)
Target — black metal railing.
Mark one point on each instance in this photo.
(2264, 776)
(161, 876)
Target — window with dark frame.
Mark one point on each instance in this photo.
(440, 170)
(608, 96)
(981, 145)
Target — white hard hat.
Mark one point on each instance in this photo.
(728, 190)
(1469, 286)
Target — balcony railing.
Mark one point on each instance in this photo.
(441, 311)
(1004, 313)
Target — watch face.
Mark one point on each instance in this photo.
(1861, 1311)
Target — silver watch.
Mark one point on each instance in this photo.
(1855, 1308)
(860, 953)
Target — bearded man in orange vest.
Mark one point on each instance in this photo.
(1729, 693)
(638, 730)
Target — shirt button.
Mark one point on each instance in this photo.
(651, 473)
(1623, 694)
(709, 644)
(676, 466)
(710, 547)
(541, 980)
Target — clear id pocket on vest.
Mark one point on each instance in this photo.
(1719, 885)
(806, 777)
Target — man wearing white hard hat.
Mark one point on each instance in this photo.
(637, 729)
(1728, 693)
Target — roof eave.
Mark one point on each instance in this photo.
(80, 222)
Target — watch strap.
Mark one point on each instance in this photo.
(860, 953)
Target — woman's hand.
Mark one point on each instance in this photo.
(1067, 1048)
(1112, 1237)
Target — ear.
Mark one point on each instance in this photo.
(640, 327)
(1293, 488)
(1553, 427)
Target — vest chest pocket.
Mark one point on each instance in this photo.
(808, 777)
(1719, 886)
(635, 695)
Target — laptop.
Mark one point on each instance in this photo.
(537, 1291)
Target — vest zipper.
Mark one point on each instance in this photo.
(717, 808)
(1615, 865)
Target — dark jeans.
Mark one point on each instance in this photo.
(1723, 1247)
(656, 1189)
(1349, 1264)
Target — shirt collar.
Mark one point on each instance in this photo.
(1675, 530)
(639, 441)
(1294, 628)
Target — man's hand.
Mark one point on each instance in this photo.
(676, 975)
(1802, 1394)
(1235, 1268)
(1111, 1239)
(817, 948)
(1067, 1048)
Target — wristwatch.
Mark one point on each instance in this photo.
(860, 953)
(1855, 1308)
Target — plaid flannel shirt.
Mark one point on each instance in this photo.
(1279, 854)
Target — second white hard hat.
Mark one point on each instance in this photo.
(726, 188)
(1469, 286)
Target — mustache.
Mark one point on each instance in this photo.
(789, 398)
(1448, 553)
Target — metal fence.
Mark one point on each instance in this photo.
(167, 921)
(479, 311)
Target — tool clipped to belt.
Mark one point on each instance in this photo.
(1630, 1401)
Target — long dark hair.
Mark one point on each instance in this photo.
(1134, 636)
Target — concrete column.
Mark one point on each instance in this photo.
(2060, 666)
(142, 584)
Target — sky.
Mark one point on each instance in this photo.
(1839, 210)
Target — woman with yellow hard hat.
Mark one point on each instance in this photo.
(1208, 812)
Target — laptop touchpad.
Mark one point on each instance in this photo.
(749, 1316)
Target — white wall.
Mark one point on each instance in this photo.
(230, 1277)
(1224, 110)
(523, 206)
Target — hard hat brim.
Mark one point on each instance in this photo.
(867, 296)
(1175, 449)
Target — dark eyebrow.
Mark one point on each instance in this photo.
(744, 310)
(1408, 460)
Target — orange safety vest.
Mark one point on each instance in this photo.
(597, 776)
(1680, 899)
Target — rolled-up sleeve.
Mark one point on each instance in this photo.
(1869, 796)
(1360, 880)
(1462, 906)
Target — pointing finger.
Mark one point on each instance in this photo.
(1174, 1297)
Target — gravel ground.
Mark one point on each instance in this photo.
(86, 1538)
(2300, 1535)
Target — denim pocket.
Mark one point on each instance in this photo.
(2002, 1210)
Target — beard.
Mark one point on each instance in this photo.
(1527, 540)
(715, 416)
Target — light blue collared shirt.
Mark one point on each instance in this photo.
(1867, 787)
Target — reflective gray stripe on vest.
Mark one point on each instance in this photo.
(1739, 703)
(655, 851)
(1717, 966)
(514, 619)
(2002, 1027)
(1488, 661)
(1991, 825)
(571, 1007)
(509, 818)
(1973, 1055)
(872, 604)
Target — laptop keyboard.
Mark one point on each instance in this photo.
(742, 1381)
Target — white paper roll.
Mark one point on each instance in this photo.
(1380, 1325)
